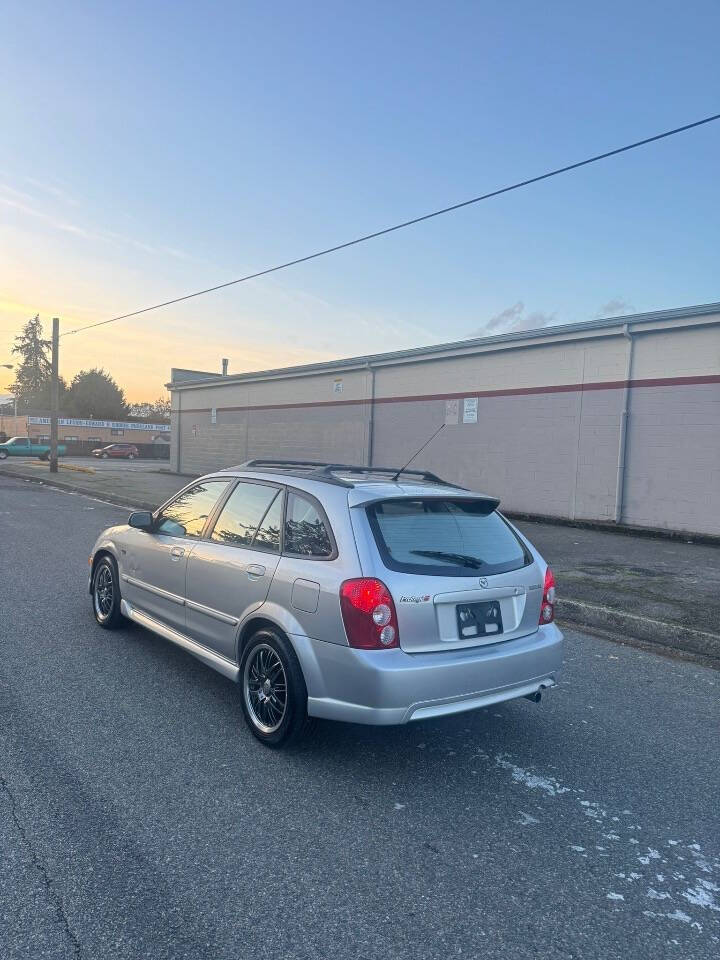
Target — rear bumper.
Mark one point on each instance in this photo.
(391, 686)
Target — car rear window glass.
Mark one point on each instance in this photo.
(243, 513)
(445, 537)
(305, 530)
(187, 514)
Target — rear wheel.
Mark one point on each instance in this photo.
(274, 695)
(106, 594)
(131, 456)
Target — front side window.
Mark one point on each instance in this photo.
(305, 530)
(187, 514)
(445, 537)
(247, 518)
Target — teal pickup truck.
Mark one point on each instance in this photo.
(25, 447)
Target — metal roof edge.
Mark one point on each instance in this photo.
(549, 334)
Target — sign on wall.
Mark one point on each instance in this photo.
(470, 409)
(452, 411)
(337, 386)
(111, 424)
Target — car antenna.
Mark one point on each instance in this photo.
(415, 455)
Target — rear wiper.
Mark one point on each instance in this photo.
(461, 559)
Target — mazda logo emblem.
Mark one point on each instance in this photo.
(483, 581)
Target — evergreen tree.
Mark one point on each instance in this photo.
(32, 380)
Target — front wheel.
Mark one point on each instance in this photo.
(104, 456)
(106, 594)
(3, 454)
(274, 695)
(131, 456)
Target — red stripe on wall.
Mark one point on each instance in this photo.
(507, 392)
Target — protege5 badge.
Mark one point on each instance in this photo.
(423, 599)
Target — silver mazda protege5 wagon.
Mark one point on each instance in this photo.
(351, 593)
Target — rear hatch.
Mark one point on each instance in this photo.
(458, 573)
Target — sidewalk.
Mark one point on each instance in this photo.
(145, 486)
(652, 590)
(655, 590)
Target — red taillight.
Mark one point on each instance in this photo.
(368, 613)
(547, 610)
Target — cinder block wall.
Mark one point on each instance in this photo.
(547, 435)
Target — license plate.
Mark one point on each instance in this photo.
(479, 619)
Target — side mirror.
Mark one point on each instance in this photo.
(141, 520)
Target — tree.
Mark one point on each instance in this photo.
(94, 393)
(32, 380)
(159, 410)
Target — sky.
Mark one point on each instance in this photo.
(148, 149)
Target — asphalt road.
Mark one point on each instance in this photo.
(139, 819)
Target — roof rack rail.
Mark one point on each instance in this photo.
(305, 468)
(326, 471)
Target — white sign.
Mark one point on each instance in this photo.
(213, 415)
(337, 386)
(112, 424)
(452, 411)
(470, 408)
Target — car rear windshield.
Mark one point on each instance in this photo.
(445, 537)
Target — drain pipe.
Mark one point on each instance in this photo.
(371, 415)
(622, 445)
(179, 431)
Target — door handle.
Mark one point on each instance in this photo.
(255, 571)
(177, 552)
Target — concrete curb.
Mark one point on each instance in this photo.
(632, 627)
(624, 529)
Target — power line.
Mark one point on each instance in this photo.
(405, 223)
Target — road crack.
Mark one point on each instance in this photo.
(52, 895)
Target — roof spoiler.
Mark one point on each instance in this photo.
(490, 503)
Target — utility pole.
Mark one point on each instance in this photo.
(54, 395)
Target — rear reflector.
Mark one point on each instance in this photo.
(368, 613)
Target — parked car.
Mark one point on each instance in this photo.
(126, 450)
(359, 594)
(25, 447)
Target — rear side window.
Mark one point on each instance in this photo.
(305, 530)
(245, 513)
(445, 537)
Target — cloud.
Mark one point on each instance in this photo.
(59, 193)
(614, 307)
(512, 319)
(25, 204)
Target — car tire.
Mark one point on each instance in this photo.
(131, 456)
(3, 454)
(104, 456)
(106, 593)
(268, 664)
